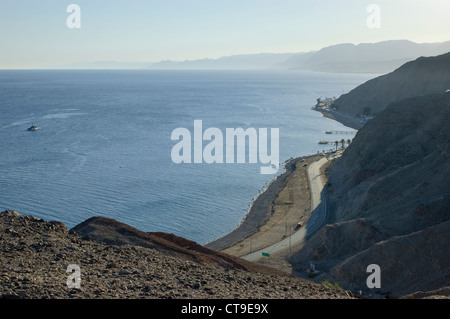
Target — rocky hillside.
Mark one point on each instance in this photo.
(426, 75)
(389, 197)
(118, 261)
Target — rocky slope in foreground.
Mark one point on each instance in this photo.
(118, 261)
(390, 201)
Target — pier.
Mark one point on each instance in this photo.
(329, 142)
(340, 132)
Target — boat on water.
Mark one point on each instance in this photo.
(323, 142)
(33, 128)
(328, 132)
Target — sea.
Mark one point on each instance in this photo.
(103, 147)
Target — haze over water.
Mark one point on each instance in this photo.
(103, 147)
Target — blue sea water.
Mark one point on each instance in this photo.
(103, 147)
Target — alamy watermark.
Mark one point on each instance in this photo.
(73, 21)
(74, 279)
(374, 19)
(374, 280)
(190, 149)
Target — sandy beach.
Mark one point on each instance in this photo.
(274, 214)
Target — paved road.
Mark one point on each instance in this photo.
(314, 223)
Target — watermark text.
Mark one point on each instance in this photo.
(374, 280)
(231, 148)
(74, 279)
(73, 21)
(374, 19)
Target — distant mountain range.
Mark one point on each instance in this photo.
(379, 58)
(234, 62)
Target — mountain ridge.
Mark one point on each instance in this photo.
(425, 75)
(389, 202)
(378, 58)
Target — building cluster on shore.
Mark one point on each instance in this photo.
(324, 104)
(329, 109)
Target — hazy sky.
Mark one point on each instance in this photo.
(34, 33)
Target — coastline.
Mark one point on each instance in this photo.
(344, 119)
(261, 209)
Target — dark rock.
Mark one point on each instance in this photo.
(420, 77)
(390, 202)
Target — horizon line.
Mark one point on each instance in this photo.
(150, 63)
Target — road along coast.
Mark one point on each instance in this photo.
(261, 209)
(274, 215)
(315, 221)
(342, 118)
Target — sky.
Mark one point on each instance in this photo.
(35, 33)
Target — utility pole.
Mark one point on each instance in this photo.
(288, 232)
(289, 244)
